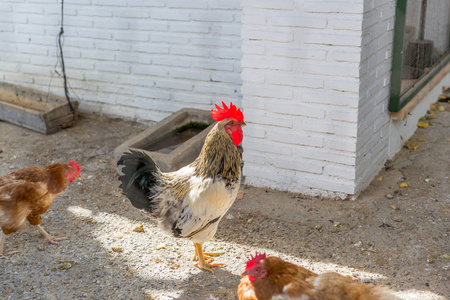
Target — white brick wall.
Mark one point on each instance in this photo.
(300, 94)
(137, 59)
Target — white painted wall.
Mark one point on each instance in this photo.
(139, 59)
(372, 148)
(314, 75)
(300, 71)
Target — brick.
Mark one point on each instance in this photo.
(212, 41)
(332, 39)
(267, 35)
(107, 24)
(145, 24)
(151, 93)
(170, 39)
(263, 146)
(171, 15)
(209, 88)
(93, 34)
(265, 92)
(220, 4)
(140, 58)
(29, 8)
(346, 116)
(201, 52)
(333, 7)
(342, 144)
(212, 64)
(92, 11)
(189, 28)
(297, 21)
(131, 36)
(346, 56)
(212, 17)
(150, 48)
(167, 61)
(265, 119)
(131, 13)
(113, 46)
(253, 76)
(115, 67)
(153, 3)
(110, 2)
(173, 84)
(268, 4)
(304, 53)
(296, 110)
(43, 20)
(229, 77)
(226, 53)
(343, 85)
(253, 20)
(187, 4)
(190, 74)
(149, 70)
(290, 80)
(350, 24)
(270, 64)
(294, 137)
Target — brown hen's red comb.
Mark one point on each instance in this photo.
(224, 113)
(254, 260)
(75, 165)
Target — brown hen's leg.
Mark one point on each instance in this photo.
(207, 255)
(48, 237)
(2, 244)
(202, 264)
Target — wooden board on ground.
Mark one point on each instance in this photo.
(36, 110)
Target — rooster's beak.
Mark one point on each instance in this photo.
(243, 124)
(244, 274)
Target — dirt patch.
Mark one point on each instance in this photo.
(394, 236)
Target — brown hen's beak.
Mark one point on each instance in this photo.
(79, 177)
(244, 274)
(243, 124)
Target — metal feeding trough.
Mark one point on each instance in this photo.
(36, 110)
(175, 141)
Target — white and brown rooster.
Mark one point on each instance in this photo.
(190, 202)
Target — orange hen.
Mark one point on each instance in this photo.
(28, 193)
(272, 278)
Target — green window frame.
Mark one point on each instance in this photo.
(398, 99)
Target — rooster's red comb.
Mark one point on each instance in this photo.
(75, 166)
(254, 260)
(224, 112)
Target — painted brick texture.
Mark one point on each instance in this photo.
(372, 147)
(300, 71)
(136, 59)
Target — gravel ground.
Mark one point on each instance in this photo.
(116, 252)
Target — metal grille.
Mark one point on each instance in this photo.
(426, 38)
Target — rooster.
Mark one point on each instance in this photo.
(28, 193)
(189, 203)
(267, 278)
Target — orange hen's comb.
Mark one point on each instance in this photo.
(224, 112)
(75, 166)
(254, 260)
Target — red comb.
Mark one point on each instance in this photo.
(224, 112)
(75, 165)
(254, 260)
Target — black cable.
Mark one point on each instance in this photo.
(61, 32)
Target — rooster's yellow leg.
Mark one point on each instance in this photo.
(2, 244)
(207, 255)
(48, 237)
(202, 264)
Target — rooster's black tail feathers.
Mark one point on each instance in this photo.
(139, 178)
